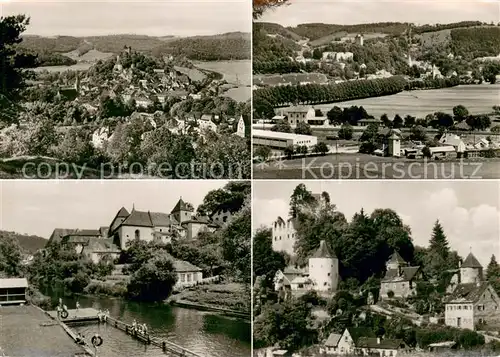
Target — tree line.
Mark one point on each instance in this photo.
(316, 93)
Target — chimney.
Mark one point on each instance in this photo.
(378, 340)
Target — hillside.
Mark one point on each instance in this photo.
(217, 47)
(277, 29)
(29, 243)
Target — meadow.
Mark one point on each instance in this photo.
(478, 99)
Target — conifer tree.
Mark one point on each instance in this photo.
(439, 242)
(493, 270)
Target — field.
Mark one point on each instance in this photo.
(362, 166)
(90, 56)
(478, 99)
(83, 66)
(239, 94)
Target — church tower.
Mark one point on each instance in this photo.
(182, 212)
(471, 271)
(324, 269)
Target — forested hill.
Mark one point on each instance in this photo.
(29, 243)
(234, 45)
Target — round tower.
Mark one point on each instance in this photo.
(471, 271)
(324, 269)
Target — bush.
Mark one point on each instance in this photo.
(77, 283)
(346, 132)
(101, 288)
(367, 147)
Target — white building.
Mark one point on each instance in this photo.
(280, 141)
(324, 269)
(394, 145)
(100, 137)
(454, 140)
(337, 344)
(473, 302)
(206, 123)
(240, 130)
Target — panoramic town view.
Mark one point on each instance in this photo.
(125, 268)
(97, 90)
(374, 90)
(413, 274)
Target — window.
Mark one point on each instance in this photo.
(328, 274)
(137, 234)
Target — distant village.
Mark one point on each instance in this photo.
(470, 301)
(458, 142)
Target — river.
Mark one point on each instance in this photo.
(205, 333)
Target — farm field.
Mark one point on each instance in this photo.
(478, 99)
(362, 166)
(239, 94)
(83, 66)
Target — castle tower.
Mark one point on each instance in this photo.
(359, 39)
(284, 236)
(471, 271)
(324, 269)
(182, 212)
(395, 262)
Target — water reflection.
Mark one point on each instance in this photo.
(202, 332)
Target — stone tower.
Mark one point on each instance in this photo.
(471, 271)
(395, 262)
(182, 212)
(324, 269)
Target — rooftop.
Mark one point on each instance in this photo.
(278, 135)
(407, 274)
(471, 262)
(468, 292)
(27, 331)
(323, 251)
(13, 283)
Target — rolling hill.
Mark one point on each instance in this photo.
(29, 243)
(235, 45)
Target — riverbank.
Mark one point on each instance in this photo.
(230, 299)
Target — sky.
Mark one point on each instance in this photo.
(37, 207)
(469, 211)
(345, 12)
(154, 18)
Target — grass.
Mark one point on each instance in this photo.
(228, 296)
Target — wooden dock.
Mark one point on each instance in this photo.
(165, 345)
(80, 315)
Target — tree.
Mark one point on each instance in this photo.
(386, 121)
(282, 126)
(289, 151)
(346, 132)
(438, 242)
(266, 262)
(409, 121)
(261, 6)
(418, 133)
(460, 112)
(334, 115)
(478, 122)
(300, 195)
(397, 122)
(154, 280)
(493, 270)
(263, 152)
(13, 63)
(10, 255)
(320, 148)
(318, 113)
(303, 128)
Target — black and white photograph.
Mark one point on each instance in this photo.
(125, 268)
(376, 89)
(396, 269)
(125, 89)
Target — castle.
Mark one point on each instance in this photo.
(321, 274)
(181, 223)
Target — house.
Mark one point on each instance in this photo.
(366, 122)
(142, 101)
(187, 273)
(101, 249)
(400, 280)
(473, 301)
(79, 238)
(299, 114)
(58, 234)
(344, 344)
(376, 346)
(449, 139)
(206, 123)
(100, 137)
(442, 152)
(283, 279)
(13, 291)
